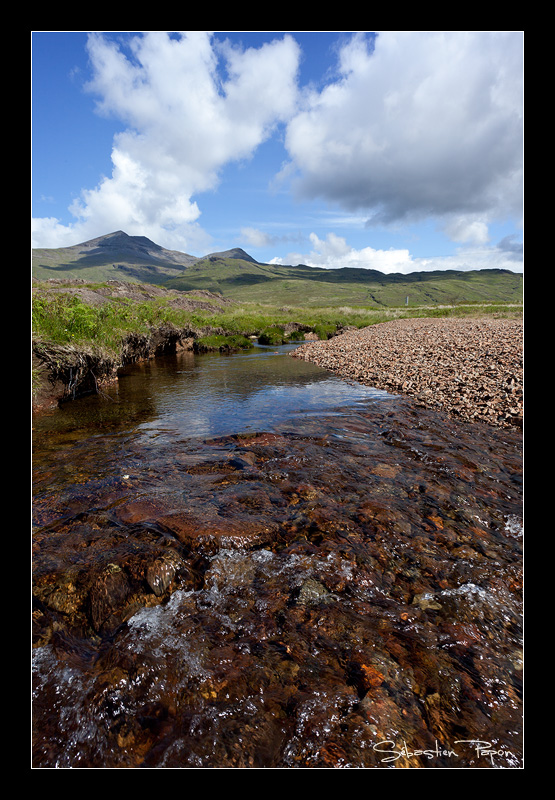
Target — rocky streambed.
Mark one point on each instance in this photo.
(332, 589)
(338, 588)
(472, 368)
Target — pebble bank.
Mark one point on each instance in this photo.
(471, 368)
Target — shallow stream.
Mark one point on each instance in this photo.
(240, 561)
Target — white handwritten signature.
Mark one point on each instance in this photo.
(480, 748)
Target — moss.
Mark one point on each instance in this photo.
(222, 343)
(272, 335)
(324, 331)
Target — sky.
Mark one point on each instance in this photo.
(398, 151)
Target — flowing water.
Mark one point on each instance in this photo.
(243, 562)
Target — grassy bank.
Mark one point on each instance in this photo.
(253, 318)
(79, 342)
(67, 320)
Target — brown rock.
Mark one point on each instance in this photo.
(208, 534)
(161, 573)
(108, 597)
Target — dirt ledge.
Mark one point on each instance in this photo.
(64, 372)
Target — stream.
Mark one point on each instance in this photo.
(241, 561)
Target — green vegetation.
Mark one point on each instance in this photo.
(237, 276)
(80, 336)
(61, 318)
(272, 335)
(65, 319)
(115, 256)
(84, 326)
(325, 330)
(282, 285)
(223, 343)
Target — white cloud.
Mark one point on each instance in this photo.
(427, 124)
(423, 125)
(333, 252)
(256, 238)
(49, 232)
(466, 229)
(187, 115)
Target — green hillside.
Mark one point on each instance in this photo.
(236, 275)
(115, 256)
(312, 287)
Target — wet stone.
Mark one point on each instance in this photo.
(162, 572)
(312, 592)
(107, 597)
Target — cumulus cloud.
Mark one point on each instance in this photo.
(190, 106)
(418, 124)
(333, 252)
(466, 229)
(413, 125)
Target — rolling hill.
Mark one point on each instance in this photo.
(236, 275)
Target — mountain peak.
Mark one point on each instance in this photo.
(235, 252)
(122, 239)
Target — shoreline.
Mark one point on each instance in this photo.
(470, 368)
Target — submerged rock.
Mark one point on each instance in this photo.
(312, 592)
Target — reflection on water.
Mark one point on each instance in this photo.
(212, 394)
(221, 395)
(185, 396)
(240, 561)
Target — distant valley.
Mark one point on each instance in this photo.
(236, 275)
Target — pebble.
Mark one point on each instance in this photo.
(470, 368)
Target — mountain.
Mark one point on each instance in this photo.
(235, 274)
(237, 252)
(240, 279)
(115, 255)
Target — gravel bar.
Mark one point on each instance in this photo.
(471, 368)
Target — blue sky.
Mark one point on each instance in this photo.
(390, 150)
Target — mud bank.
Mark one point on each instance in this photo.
(62, 372)
(471, 368)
